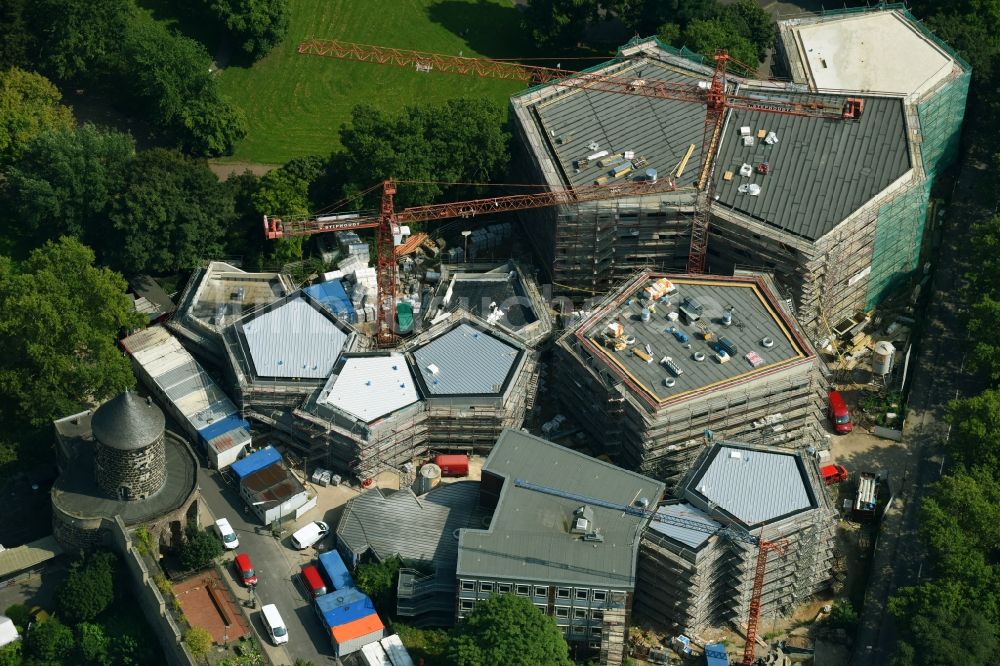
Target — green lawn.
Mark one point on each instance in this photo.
(296, 103)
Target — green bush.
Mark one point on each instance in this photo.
(200, 548)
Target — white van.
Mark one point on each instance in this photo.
(227, 534)
(309, 534)
(274, 624)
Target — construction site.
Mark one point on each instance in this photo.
(737, 239)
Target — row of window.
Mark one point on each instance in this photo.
(540, 590)
(562, 613)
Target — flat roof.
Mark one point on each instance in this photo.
(752, 485)
(661, 130)
(369, 386)
(226, 292)
(684, 535)
(874, 51)
(294, 338)
(22, 558)
(466, 360)
(529, 538)
(756, 316)
(475, 292)
(272, 484)
(821, 170)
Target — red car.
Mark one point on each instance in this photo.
(244, 570)
(833, 474)
(313, 581)
(840, 417)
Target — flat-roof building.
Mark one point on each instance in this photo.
(666, 358)
(690, 580)
(837, 211)
(575, 562)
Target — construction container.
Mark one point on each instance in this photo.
(404, 317)
(428, 478)
(882, 358)
(350, 618)
(333, 567)
(351, 637)
(396, 651)
(453, 465)
(374, 654)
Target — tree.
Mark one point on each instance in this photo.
(14, 37)
(507, 629)
(49, 642)
(29, 106)
(975, 436)
(258, 25)
(378, 580)
(65, 181)
(985, 279)
(93, 643)
(88, 589)
(199, 642)
(199, 549)
(285, 191)
(10, 654)
(707, 36)
(20, 615)
(557, 24)
(79, 39)
(644, 17)
(752, 22)
(171, 213)
(59, 317)
(843, 615)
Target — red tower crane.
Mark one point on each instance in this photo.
(387, 220)
(716, 95)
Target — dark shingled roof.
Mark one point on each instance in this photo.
(127, 422)
(821, 171)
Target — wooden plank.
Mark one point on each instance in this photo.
(683, 164)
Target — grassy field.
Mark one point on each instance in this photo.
(296, 103)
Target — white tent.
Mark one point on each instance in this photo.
(8, 632)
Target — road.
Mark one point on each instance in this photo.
(939, 377)
(277, 566)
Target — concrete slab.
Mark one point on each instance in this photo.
(878, 52)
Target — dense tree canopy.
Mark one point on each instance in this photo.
(507, 629)
(93, 643)
(29, 106)
(79, 39)
(970, 26)
(49, 643)
(975, 434)
(199, 549)
(171, 213)
(65, 181)
(14, 39)
(88, 589)
(556, 24)
(257, 25)
(59, 317)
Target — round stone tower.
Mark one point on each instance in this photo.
(131, 455)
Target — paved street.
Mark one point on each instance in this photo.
(277, 566)
(939, 376)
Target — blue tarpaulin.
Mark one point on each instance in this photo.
(715, 655)
(332, 296)
(231, 422)
(343, 606)
(256, 462)
(335, 570)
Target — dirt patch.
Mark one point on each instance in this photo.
(208, 603)
(225, 170)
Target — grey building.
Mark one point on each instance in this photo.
(690, 580)
(838, 216)
(646, 382)
(575, 562)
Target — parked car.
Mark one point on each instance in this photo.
(274, 625)
(313, 581)
(840, 417)
(244, 570)
(833, 474)
(227, 534)
(309, 534)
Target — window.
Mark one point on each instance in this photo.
(468, 586)
(597, 615)
(562, 612)
(595, 645)
(600, 595)
(595, 632)
(543, 608)
(541, 591)
(503, 588)
(583, 594)
(485, 587)
(579, 630)
(563, 593)
(523, 590)
(466, 604)
(579, 613)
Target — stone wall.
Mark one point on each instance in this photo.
(74, 533)
(132, 474)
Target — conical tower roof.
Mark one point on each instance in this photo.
(127, 422)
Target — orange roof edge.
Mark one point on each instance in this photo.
(357, 628)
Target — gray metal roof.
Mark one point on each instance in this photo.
(686, 536)
(475, 293)
(370, 386)
(755, 317)
(416, 529)
(529, 538)
(821, 171)
(468, 361)
(659, 129)
(294, 338)
(752, 485)
(128, 422)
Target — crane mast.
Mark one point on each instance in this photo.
(730, 532)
